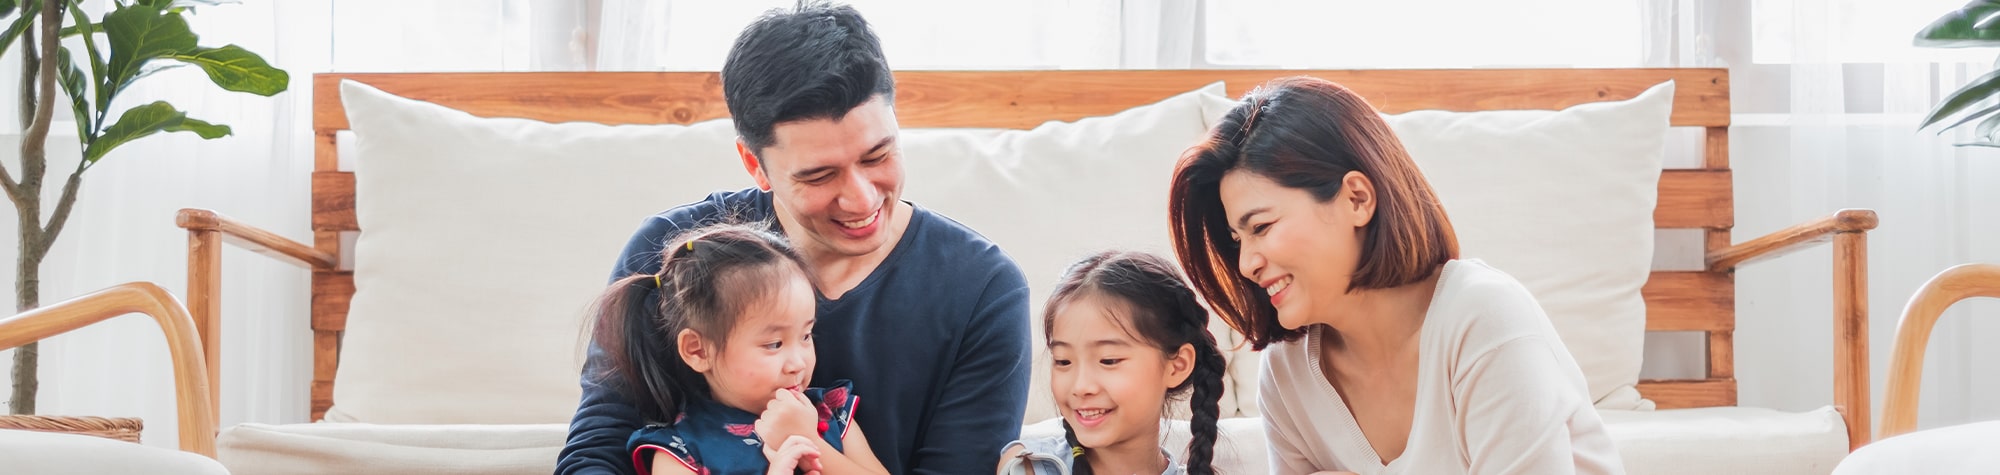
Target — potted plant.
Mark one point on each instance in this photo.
(134, 40)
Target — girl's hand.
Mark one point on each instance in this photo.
(797, 455)
(788, 415)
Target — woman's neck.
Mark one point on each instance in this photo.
(1378, 323)
(1133, 457)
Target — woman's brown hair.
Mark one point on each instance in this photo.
(1304, 133)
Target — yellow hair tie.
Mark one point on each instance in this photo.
(1076, 451)
(690, 245)
(656, 281)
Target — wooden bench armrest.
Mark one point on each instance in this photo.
(207, 230)
(1792, 239)
(1913, 334)
(194, 398)
(255, 239)
(1848, 229)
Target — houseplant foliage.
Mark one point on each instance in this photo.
(1975, 25)
(92, 61)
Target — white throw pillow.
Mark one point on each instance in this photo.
(484, 242)
(1561, 200)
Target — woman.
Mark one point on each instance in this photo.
(1310, 230)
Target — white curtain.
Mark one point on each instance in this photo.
(1825, 98)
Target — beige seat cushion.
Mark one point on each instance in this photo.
(48, 452)
(329, 447)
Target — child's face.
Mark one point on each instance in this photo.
(769, 349)
(1108, 384)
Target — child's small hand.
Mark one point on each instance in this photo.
(797, 455)
(788, 414)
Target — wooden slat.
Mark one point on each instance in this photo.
(1716, 240)
(1722, 354)
(326, 152)
(1690, 301)
(329, 242)
(333, 202)
(330, 295)
(1681, 394)
(1715, 148)
(326, 360)
(324, 369)
(1695, 199)
(1688, 199)
(322, 399)
(1022, 99)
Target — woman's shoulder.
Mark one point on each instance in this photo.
(1477, 305)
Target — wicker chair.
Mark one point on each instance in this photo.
(45, 448)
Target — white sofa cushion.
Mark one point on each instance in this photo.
(484, 241)
(1562, 201)
(51, 452)
(330, 447)
(460, 215)
(1728, 440)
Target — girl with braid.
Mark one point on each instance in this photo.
(1126, 336)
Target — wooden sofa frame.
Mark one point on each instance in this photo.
(1699, 300)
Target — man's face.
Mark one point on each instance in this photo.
(835, 182)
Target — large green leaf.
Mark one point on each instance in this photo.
(237, 69)
(76, 86)
(7, 7)
(1970, 117)
(1971, 26)
(145, 120)
(1974, 91)
(97, 68)
(20, 25)
(137, 34)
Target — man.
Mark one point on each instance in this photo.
(927, 317)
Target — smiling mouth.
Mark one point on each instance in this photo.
(861, 223)
(1278, 286)
(1092, 417)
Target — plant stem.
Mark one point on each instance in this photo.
(27, 197)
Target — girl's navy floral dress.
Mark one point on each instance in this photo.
(714, 439)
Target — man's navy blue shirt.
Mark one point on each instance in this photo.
(935, 339)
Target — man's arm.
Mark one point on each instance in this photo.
(598, 433)
(604, 419)
(986, 394)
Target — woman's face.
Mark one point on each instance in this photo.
(1302, 251)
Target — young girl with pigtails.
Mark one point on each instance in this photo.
(1125, 336)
